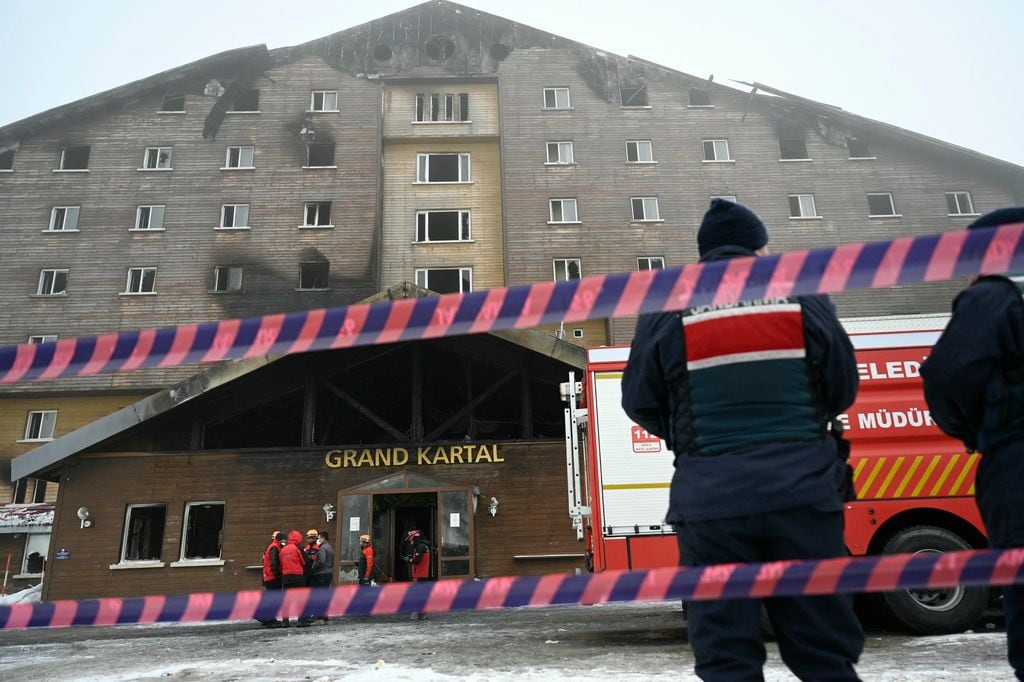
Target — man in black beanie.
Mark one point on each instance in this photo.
(743, 394)
(974, 386)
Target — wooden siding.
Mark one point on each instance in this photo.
(287, 489)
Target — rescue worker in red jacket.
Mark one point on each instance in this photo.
(293, 566)
(310, 550)
(419, 555)
(272, 569)
(365, 560)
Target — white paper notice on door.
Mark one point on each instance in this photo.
(353, 524)
(453, 520)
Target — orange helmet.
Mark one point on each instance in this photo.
(412, 535)
(364, 538)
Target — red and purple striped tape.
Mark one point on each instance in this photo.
(819, 271)
(727, 581)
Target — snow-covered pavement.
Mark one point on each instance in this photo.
(620, 641)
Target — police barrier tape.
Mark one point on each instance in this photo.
(819, 271)
(724, 581)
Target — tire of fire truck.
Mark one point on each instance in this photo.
(933, 612)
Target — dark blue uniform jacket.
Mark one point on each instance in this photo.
(734, 455)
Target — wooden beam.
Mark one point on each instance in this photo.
(309, 411)
(416, 406)
(366, 412)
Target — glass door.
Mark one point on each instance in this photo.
(455, 559)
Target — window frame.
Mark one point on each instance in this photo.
(862, 141)
(465, 226)
(892, 205)
(334, 152)
(644, 203)
(561, 201)
(234, 214)
(802, 141)
(232, 110)
(42, 275)
(650, 262)
(62, 168)
(423, 105)
(149, 218)
(228, 289)
(327, 286)
(143, 271)
(6, 156)
(123, 561)
(51, 227)
(714, 141)
(182, 545)
(423, 168)
(24, 573)
(955, 194)
(636, 90)
(323, 99)
(555, 90)
(156, 153)
(165, 110)
(39, 436)
(800, 207)
(565, 268)
(240, 147)
(558, 146)
(42, 338)
(689, 99)
(464, 274)
(317, 225)
(639, 161)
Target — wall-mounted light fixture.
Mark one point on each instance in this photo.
(493, 506)
(85, 517)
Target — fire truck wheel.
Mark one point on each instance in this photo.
(940, 611)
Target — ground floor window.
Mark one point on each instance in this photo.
(446, 280)
(204, 527)
(36, 547)
(143, 532)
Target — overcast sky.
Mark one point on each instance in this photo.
(950, 69)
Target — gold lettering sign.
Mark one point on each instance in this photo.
(484, 453)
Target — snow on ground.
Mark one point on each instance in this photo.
(624, 642)
(26, 596)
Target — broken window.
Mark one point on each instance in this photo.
(53, 282)
(143, 532)
(140, 281)
(41, 425)
(442, 168)
(446, 280)
(639, 151)
(556, 98)
(74, 158)
(645, 209)
(324, 100)
(320, 155)
(246, 100)
(149, 218)
(240, 157)
(20, 488)
(716, 150)
(157, 158)
(650, 263)
(858, 148)
(567, 269)
(633, 96)
(442, 226)
(64, 219)
(204, 525)
(802, 206)
(880, 204)
(36, 546)
(439, 47)
(563, 211)
(442, 107)
(234, 216)
(700, 98)
(959, 203)
(39, 493)
(793, 148)
(7, 160)
(314, 275)
(227, 278)
(560, 153)
(317, 214)
(173, 103)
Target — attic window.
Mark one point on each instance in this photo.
(173, 103)
(858, 148)
(246, 100)
(700, 98)
(792, 149)
(634, 96)
(75, 158)
(439, 47)
(7, 160)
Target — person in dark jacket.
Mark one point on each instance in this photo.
(310, 550)
(322, 572)
(272, 569)
(743, 395)
(293, 567)
(974, 386)
(418, 556)
(365, 569)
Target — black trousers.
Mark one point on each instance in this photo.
(819, 638)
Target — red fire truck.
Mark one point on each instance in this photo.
(915, 486)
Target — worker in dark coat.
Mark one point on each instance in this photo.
(974, 385)
(743, 395)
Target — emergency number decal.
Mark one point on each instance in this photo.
(644, 441)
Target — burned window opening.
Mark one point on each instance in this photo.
(143, 532)
(858, 148)
(499, 51)
(700, 98)
(75, 158)
(246, 100)
(633, 96)
(792, 148)
(7, 160)
(439, 48)
(320, 154)
(442, 107)
(204, 525)
(314, 276)
(173, 103)
(383, 53)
